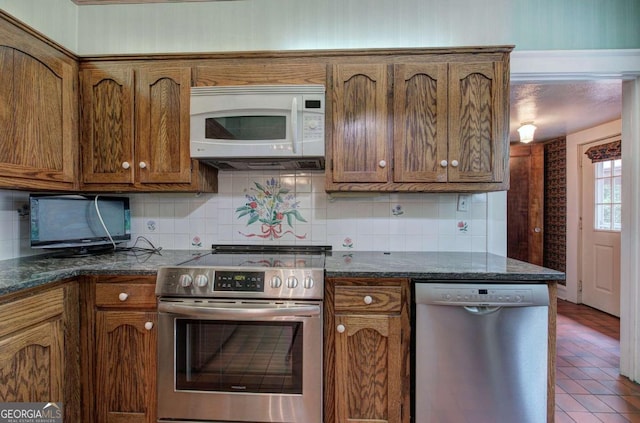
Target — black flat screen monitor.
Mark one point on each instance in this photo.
(78, 222)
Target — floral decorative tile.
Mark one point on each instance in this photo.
(463, 226)
(268, 207)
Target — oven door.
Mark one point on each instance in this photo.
(239, 360)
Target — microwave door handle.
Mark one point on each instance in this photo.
(239, 311)
(294, 125)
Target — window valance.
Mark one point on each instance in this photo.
(604, 152)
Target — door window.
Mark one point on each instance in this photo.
(608, 195)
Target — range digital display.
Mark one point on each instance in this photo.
(239, 281)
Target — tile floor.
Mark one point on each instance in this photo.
(588, 386)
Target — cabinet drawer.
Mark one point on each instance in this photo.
(125, 295)
(368, 298)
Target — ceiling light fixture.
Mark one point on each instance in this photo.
(526, 132)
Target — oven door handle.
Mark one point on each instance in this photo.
(264, 310)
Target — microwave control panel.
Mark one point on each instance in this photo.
(313, 117)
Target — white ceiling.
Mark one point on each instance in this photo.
(561, 108)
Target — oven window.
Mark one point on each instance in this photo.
(246, 128)
(256, 357)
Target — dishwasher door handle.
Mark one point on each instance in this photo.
(481, 310)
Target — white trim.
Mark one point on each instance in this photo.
(565, 65)
(630, 239)
(562, 65)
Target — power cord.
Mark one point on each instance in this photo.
(135, 249)
(95, 200)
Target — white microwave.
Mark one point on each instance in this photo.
(259, 126)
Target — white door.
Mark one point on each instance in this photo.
(601, 225)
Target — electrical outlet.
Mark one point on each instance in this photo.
(463, 202)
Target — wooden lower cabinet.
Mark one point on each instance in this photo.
(121, 353)
(367, 350)
(38, 348)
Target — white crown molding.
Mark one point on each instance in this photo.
(565, 65)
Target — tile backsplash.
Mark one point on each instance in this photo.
(286, 208)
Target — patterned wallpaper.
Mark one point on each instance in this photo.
(555, 204)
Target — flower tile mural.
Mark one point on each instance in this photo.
(463, 226)
(267, 208)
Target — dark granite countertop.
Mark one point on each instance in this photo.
(436, 265)
(27, 272)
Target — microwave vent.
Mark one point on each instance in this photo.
(244, 163)
(310, 164)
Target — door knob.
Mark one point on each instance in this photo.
(341, 328)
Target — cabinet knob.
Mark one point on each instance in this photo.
(341, 328)
(123, 296)
(454, 163)
(142, 165)
(382, 163)
(148, 325)
(126, 165)
(444, 163)
(368, 299)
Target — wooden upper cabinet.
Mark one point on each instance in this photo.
(38, 113)
(163, 126)
(107, 126)
(420, 122)
(135, 130)
(476, 122)
(360, 149)
(447, 129)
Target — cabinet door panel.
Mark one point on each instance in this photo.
(368, 369)
(31, 364)
(107, 133)
(163, 125)
(420, 122)
(126, 366)
(475, 135)
(360, 123)
(36, 118)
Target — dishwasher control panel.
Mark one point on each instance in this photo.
(481, 294)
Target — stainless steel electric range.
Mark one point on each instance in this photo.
(240, 335)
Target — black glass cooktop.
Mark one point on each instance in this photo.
(282, 256)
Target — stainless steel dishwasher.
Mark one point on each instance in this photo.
(480, 352)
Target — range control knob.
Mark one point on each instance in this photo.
(275, 282)
(292, 282)
(185, 280)
(202, 281)
(308, 282)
